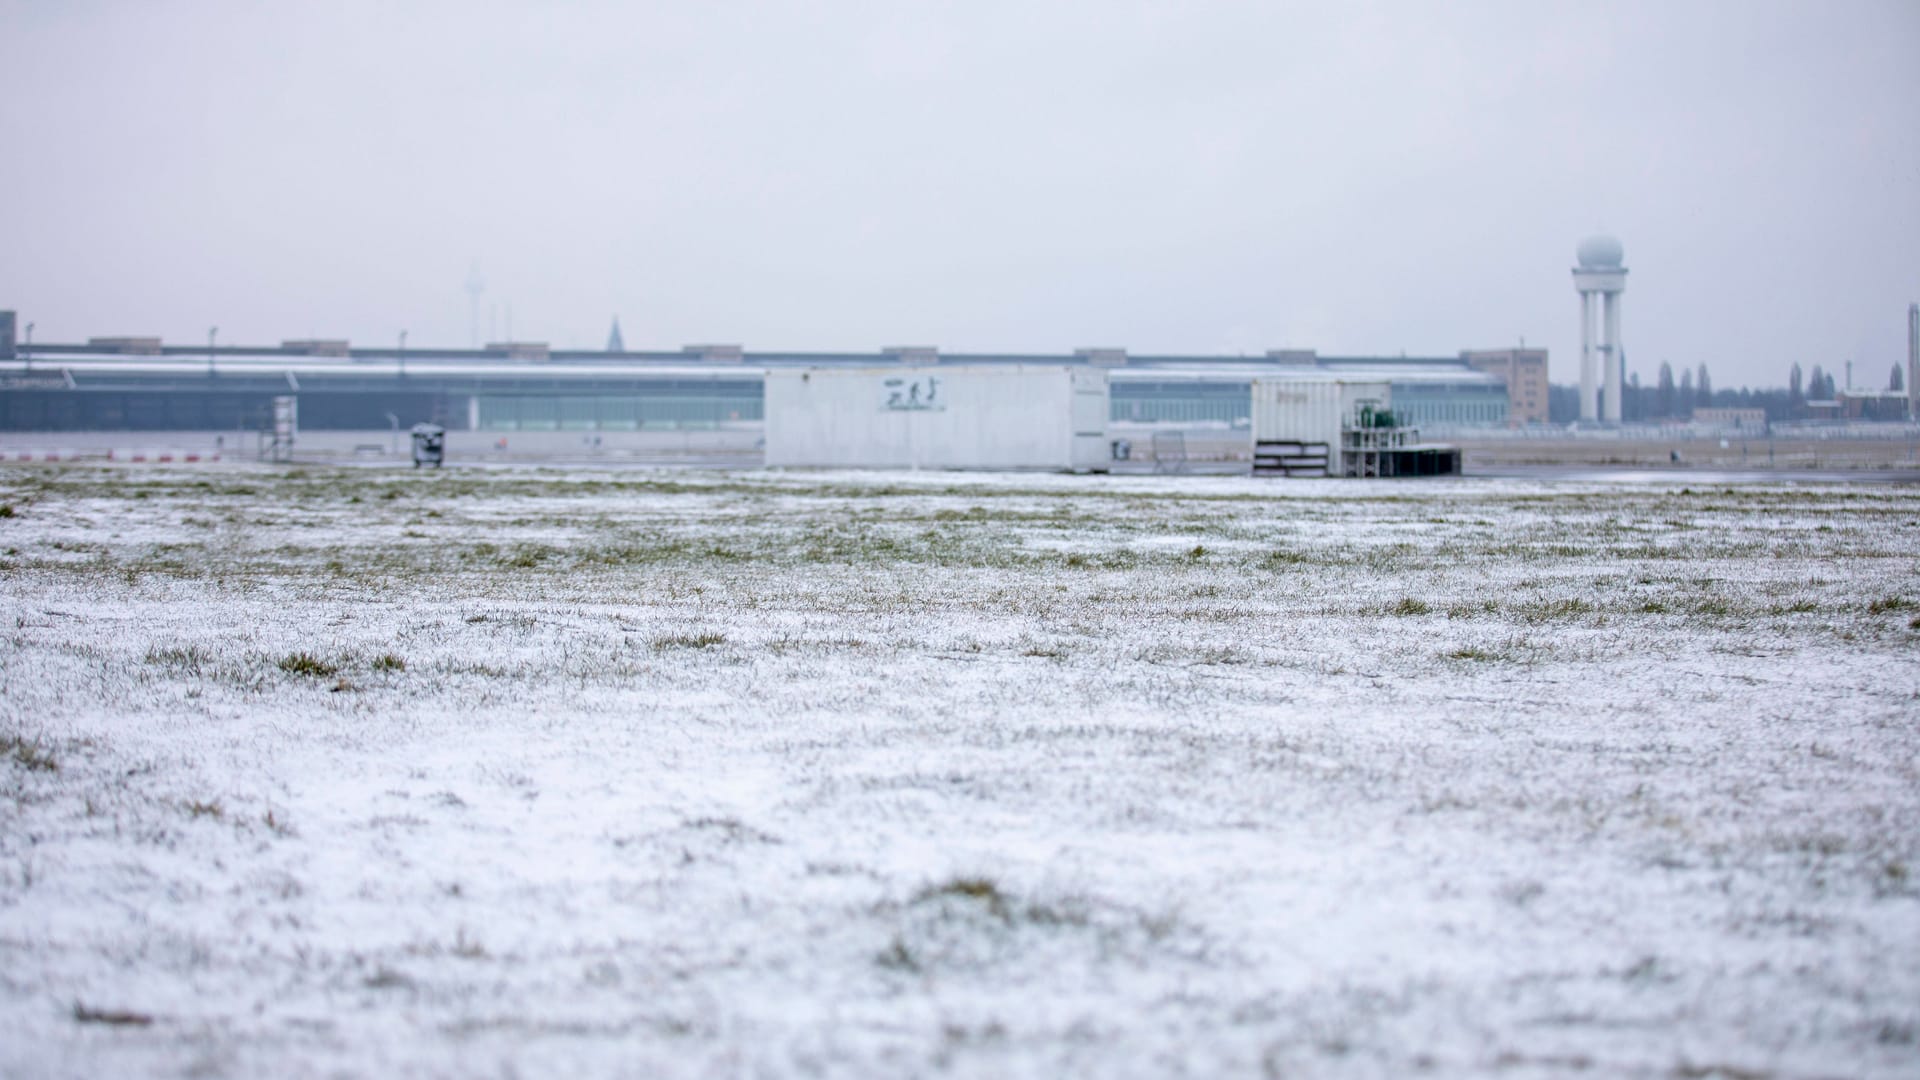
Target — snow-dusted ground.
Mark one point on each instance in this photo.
(357, 772)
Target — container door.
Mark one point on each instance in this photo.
(1091, 411)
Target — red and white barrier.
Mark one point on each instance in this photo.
(161, 456)
(48, 455)
(110, 454)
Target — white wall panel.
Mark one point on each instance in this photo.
(937, 417)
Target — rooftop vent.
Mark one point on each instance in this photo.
(140, 346)
(317, 347)
(1103, 357)
(519, 350)
(716, 354)
(913, 354)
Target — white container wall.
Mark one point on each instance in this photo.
(1312, 409)
(938, 417)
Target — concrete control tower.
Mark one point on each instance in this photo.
(1600, 274)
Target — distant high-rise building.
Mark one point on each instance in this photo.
(615, 343)
(1525, 373)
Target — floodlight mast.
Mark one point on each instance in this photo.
(212, 332)
(475, 286)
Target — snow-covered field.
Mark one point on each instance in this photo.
(322, 772)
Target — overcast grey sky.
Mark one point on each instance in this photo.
(979, 176)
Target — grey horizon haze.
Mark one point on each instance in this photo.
(1190, 178)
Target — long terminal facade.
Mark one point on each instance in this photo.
(144, 384)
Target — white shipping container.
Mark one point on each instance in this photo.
(1014, 416)
(1312, 409)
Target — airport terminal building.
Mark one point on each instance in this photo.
(143, 384)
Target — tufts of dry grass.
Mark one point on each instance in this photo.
(308, 665)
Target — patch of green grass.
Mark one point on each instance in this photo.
(276, 824)
(1222, 654)
(1472, 652)
(31, 755)
(898, 957)
(389, 662)
(1411, 606)
(972, 512)
(979, 889)
(307, 664)
(731, 830)
(1468, 611)
(1549, 610)
(184, 657)
(467, 948)
(703, 640)
(1890, 603)
(87, 1014)
(211, 808)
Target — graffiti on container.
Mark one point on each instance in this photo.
(913, 395)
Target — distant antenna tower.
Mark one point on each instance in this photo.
(475, 286)
(1913, 361)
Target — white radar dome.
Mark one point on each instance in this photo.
(1600, 252)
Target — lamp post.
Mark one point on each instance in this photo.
(403, 354)
(26, 351)
(212, 332)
